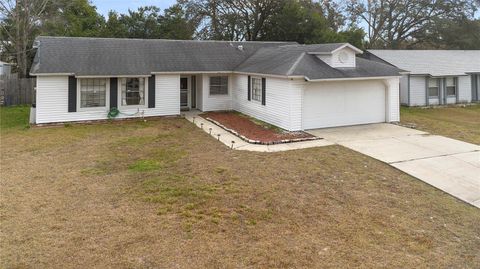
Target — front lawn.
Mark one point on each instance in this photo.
(462, 123)
(163, 193)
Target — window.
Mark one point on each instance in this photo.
(219, 85)
(433, 87)
(451, 87)
(133, 91)
(257, 89)
(93, 92)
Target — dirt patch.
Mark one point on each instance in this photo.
(164, 194)
(253, 130)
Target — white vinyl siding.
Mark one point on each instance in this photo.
(217, 101)
(393, 100)
(334, 59)
(464, 89)
(283, 101)
(417, 90)
(52, 101)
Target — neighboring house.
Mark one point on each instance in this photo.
(5, 68)
(436, 77)
(292, 86)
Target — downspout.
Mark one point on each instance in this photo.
(457, 90)
(444, 90)
(408, 91)
(426, 92)
(473, 79)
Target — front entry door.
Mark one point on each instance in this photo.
(184, 87)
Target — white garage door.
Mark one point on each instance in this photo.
(329, 104)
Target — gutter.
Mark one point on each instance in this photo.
(348, 79)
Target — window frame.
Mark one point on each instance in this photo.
(252, 89)
(454, 80)
(430, 87)
(210, 86)
(120, 91)
(97, 108)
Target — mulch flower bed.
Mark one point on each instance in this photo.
(254, 131)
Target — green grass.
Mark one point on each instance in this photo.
(144, 165)
(456, 122)
(14, 118)
(165, 194)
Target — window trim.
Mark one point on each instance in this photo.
(454, 85)
(218, 95)
(251, 89)
(120, 96)
(97, 108)
(437, 86)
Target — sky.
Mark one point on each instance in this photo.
(122, 6)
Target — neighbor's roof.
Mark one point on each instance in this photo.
(109, 57)
(433, 62)
(296, 60)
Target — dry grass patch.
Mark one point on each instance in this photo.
(164, 194)
(457, 122)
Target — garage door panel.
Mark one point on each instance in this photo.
(344, 103)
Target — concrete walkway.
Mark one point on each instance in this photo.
(226, 137)
(447, 164)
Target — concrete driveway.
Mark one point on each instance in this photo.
(448, 164)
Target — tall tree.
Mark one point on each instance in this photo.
(19, 24)
(175, 25)
(461, 33)
(392, 24)
(72, 18)
(231, 19)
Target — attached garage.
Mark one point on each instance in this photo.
(341, 103)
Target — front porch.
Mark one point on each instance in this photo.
(205, 91)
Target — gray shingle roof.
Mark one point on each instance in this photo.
(109, 57)
(433, 62)
(294, 60)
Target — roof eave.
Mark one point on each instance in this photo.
(357, 50)
(349, 79)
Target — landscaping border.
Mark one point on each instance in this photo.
(257, 142)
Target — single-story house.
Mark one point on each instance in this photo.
(436, 77)
(295, 87)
